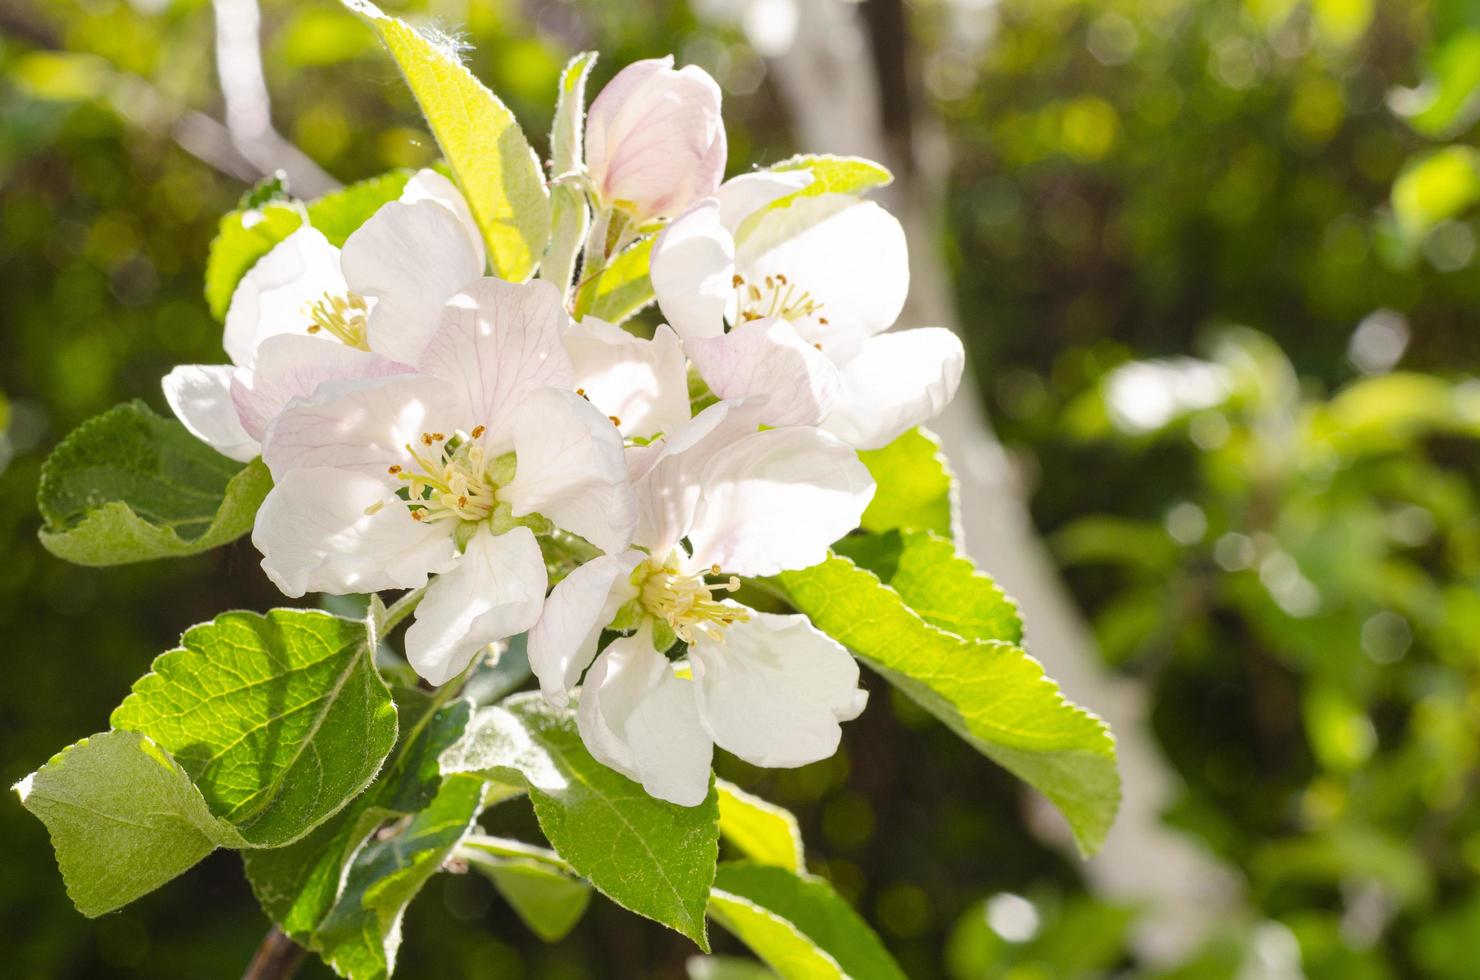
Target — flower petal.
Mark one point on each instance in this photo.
(495, 591)
(849, 255)
(360, 425)
(692, 268)
(498, 342)
(636, 717)
(742, 196)
(200, 397)
(291, 366)
(563, 642)
(774, 692)
(643, 384)
(776, 499)
(570, 468)
(896, 381)
(428, 185)
(319, 530)
(767, 357)
(411, 258)
(276, 293)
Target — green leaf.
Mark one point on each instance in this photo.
(763, 831)
(490, 159)
(361, 934)
(946, 590)
(798, 924)
(651, 857)
(1435, 188)
(535, 882)
(130, 486)
(241, 239)
(621, 288)
(916, 489)
(989, 692)
(339, 213)
(832, 175)
(279, 719)
(726, 968)
(124, 818)
(569, 213)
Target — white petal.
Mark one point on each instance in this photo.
(428, 185)
(411, 258)
(774, 692)
(315, 536)
(692, 268)
(850, 255)
(742, 196)
(767, 357)
(895, 382)
(636, 717)
(200, 397)
(495, 591)
(290, 366)
(498, 342)
(570, 468)
(642, 383)
(563, 642)
(276, 293)
(361, 425)
(776, 499)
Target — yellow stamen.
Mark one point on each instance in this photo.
(343, 317)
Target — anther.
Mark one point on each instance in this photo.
(581, 392)
(714, 569)
(478, 430)
(426, 438)
(314, 328)
(822, 320)
(374, 508)
(818, 346)
(393, 469)
(615, 421)
(737, 281)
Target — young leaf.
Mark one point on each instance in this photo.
(569, 213)
(989, 692)
(763, 831)
(832, 175)
(535, 882)
(338, 213)
(124, 819)
(241, 239)
(916, 489)
(946, 590)
(491, 160)
(621, 288)
(798, 924)
(129, 486)
(279, 719)
(654, 858)
(726, 968)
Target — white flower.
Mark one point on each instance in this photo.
(308, 313)
(383, 482)
(806, 291)
(642, 385)
(655, 139)
(716, 499)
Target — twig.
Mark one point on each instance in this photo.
(277, 957)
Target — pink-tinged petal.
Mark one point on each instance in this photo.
(655, 140)
(498, 343)
(291, 366)
(643, 384)
(775, 691)
(692, 270)
(848, 256)
(636, 717)
(428, 185)
(570, 469)
(563, 642)
(775, 500)
(742, 196)
(275, 295)
(495, 591)
(411, 259)
(362, 425)
(200, 397)
(329, 530)
(895, 382)
(767, 358)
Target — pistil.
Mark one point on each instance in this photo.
(686, 603)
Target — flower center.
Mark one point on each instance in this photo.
(342, 317)
(774, 295)
(450, 479)
(686, 602)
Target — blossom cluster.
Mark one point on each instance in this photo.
(428, 426)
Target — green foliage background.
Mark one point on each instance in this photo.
(1127, 180)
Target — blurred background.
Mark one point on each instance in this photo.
(1215, 263)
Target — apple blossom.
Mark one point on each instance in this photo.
(655, 140)
(792, 302)
(308, 313)
(716, 499)
(381, 483)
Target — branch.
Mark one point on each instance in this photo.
(277, 958)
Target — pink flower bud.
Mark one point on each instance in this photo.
(655, 141)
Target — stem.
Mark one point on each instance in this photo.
(277, 957)
(400, 609)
